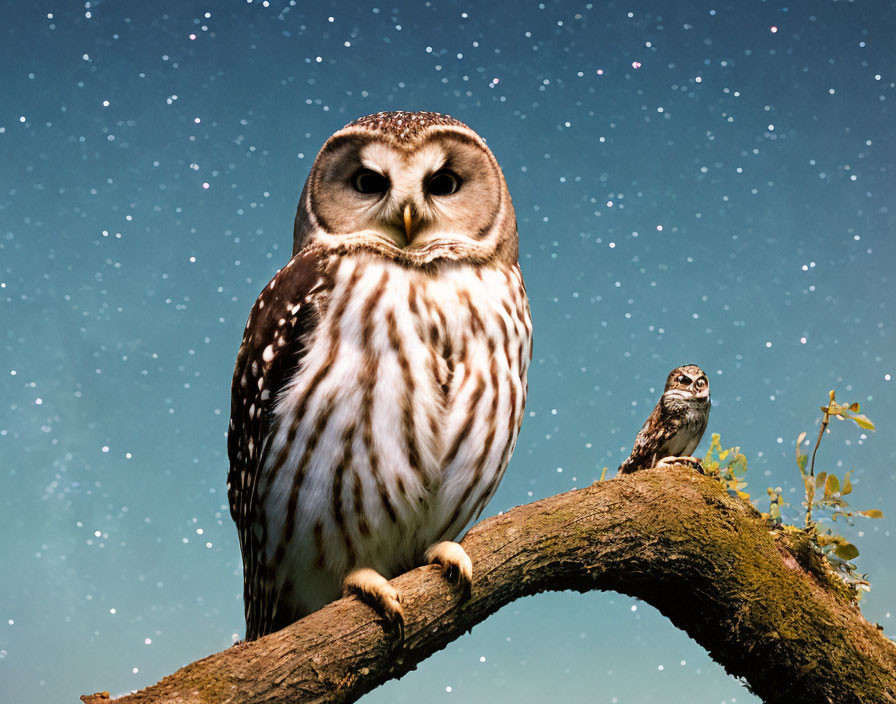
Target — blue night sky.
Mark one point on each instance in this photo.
(707, 183)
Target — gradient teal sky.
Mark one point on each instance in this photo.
(694, 182)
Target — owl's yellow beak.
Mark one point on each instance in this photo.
(408, 222)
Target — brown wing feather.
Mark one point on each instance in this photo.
(271, 349)
(655, 433)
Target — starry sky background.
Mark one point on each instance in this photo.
(694, 182)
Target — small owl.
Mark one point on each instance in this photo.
(381, 381)
(674, 428)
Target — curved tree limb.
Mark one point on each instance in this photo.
(763, 604)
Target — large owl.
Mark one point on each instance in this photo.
(674, 428)
(381, 380)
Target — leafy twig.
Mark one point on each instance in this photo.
(726, 466)
(824, 491)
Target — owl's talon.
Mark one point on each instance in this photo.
(374, 589)
(455, 562)
(671, 461)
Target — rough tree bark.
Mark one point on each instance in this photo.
(763, 604)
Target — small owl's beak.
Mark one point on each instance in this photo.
(408, 222)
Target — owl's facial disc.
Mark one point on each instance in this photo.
(687, 383)
(442, 193)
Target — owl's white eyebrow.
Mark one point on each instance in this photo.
(430, 159)
(380, 158)
(372, 166)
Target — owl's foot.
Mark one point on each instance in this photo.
(376, 591)
(455, 562)
(691, 462)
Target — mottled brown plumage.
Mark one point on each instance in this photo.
(381, 381)
(675, 426)
(404, 126)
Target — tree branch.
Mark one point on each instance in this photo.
(764, 605)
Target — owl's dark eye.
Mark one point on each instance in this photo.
(443, 183)
(701, 382)
(683, 380)
(369, 182)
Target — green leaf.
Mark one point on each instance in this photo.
(872, 513)
(832, 485)
(846, 551)
(802, 459)
(863, 422)
(847, 485)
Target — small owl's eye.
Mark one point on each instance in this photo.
(683, 380)
(369, 182)
(701, 382)
(443, 183)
